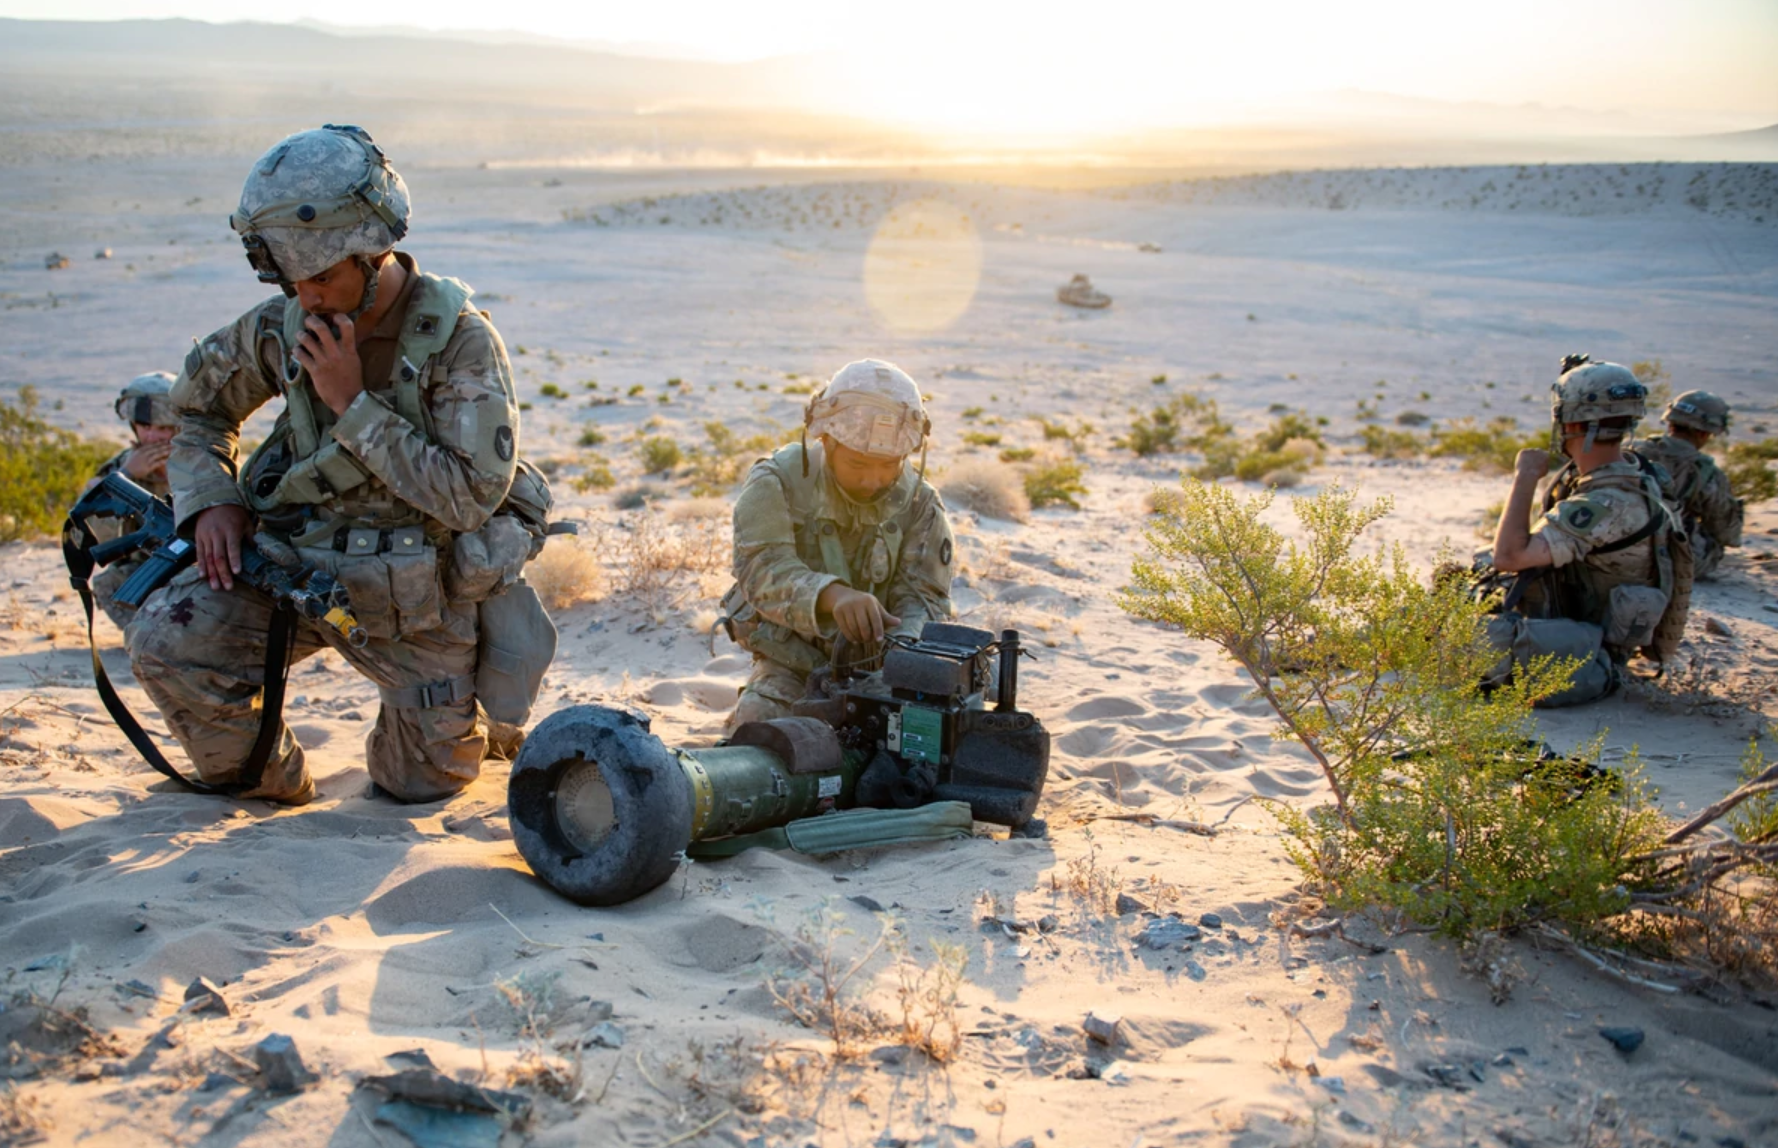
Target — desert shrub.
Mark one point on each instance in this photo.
(635, 389)
(1055, 482)
(1286, 430)
(1189, 421)
(1058, 431)
(1438, 813)
(552, 391)
(42, 468)
(592, 436)
(1413, 418)
(659, 454)
(972, 412)
(567, 573)
(716, 468)
(1493, 447)
(981, 438)
(986, 487)
(1018, 454)
(1391, 444)
(1749, 468)
(1283, 467)
(595, 475)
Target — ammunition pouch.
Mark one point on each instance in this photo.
(485, 562)
(747, 629)
(1632, 616)
(391, 576)
(516, 641)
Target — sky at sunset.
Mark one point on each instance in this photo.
(1107, 63)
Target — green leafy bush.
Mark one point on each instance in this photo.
(42, 468)
(551, 391)
(1055, 483)
(717, 468)
(1391, 443)
(981, 438)
(1018, 454)
(592, 436)
(1493, 447)
(1438, 811)
(1748, 465)
(659, 454)
(596, 476)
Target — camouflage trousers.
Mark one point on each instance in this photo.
(1522, 641)
(200, 655)
(770, 690)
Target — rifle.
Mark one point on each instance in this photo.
(294, 590)
(307, 590)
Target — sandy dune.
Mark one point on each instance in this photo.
(364, 929)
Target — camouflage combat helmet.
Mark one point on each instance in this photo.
(147, 400)
(316, 198)
(871, 406)
(1698, 410)
(1592, 393)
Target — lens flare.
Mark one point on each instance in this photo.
(922, 267)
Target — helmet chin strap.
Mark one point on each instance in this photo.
(371, 277)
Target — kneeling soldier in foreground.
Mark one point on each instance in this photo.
(390, 468)
(1600, 575)
(837, 538)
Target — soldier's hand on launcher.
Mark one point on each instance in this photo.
(859, 616)
(333, 362)
(218, 536)
(147, 461)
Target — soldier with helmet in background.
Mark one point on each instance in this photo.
(838, 537)
(144, 405)
(1604, 572)
(1695, 484)
(389, 467)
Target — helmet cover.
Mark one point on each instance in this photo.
(317, 198)
(147, 399)
(870, 406)
(1698, 410)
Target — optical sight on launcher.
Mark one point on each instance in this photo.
(603, 811)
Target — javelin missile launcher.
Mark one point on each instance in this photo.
(602, 810)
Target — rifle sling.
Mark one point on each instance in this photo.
(277, 671)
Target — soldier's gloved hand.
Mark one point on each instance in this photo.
(218, 536)
(859, 616)
(147, 461)
(1533, 461)
(334, 367)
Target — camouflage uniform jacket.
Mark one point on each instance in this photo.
(1584, 517)
(1698, 487)
(796, 535)
(446, 466)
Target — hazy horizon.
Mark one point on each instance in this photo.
(966, 72)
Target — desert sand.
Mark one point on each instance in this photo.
(364, 929)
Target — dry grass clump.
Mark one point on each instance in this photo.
(698, 509)
(988, 487)
(567, 574)
(655, 561)
(20, 1122)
